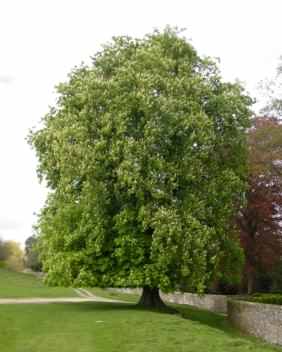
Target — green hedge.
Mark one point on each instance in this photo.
(268, 298)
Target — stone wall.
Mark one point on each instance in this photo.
(261, 320)
(134, 291)
(215, 303)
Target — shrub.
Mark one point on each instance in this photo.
(266, 298)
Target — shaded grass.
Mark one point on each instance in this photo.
(107, 327)
(20, 285)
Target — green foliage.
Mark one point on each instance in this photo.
(3, 251)
(11, 255)
(231, 264)
(268, 298)
(276, 278)
(32, 260)
(145, 154)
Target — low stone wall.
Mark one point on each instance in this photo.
(261, 320)
(134, 291)
(215, 303)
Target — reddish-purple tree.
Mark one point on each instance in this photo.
(260, 220)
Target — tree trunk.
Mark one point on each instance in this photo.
(150, 298)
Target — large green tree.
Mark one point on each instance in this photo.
(145, 156)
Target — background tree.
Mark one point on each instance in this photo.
(260, 220)
(3, 253)
(14, 256)
(32, 260)
(11, 255)
(145, 154)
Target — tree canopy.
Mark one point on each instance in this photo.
(145, 157)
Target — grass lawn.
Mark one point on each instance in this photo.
(19, 285)
(108, 327)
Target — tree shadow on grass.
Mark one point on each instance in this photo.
(97, 306)
(214, 320)
(199, 316)
(211, 319)
(219, 322)
(204, 317)
(113, 306)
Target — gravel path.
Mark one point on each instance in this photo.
(54, 300)
(84, 296)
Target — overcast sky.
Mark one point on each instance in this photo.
(42, 40)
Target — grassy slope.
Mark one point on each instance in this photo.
(14, 285)
(109, 327)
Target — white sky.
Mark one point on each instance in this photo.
(42, 40)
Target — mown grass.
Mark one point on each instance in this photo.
(20, 285)
(109, 327)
